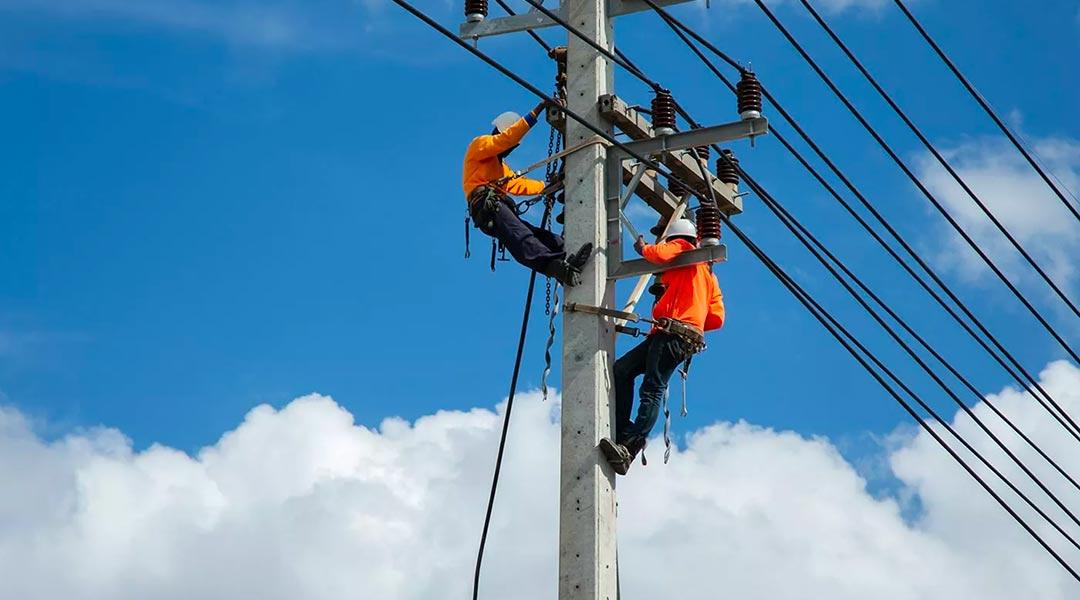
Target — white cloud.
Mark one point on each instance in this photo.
(303, 503)
(1020, 200)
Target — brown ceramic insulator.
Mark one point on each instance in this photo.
(728, 170)
(476, 7)
(663, 110)
(708, 223)
(676, 187)
(749, 91)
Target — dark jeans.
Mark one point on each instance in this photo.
(656, 358)
(531, 246)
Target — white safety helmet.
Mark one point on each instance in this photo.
(505, 120)
(681, 228)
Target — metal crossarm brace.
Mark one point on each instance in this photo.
(633, 268)
(534, 19)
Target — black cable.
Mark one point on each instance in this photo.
(815, 308)
(1028, 381)
(986, 107)
(938, 156)
(633, 70)
(775, 269)
(915, 179)
(813, 245)
(505, 429)
(535, 36)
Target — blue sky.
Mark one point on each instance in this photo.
(206, 207)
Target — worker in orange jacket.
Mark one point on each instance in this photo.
(488, 182)
(691, 304)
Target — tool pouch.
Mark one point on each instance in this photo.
(483, 205)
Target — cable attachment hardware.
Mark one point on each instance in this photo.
(476, 10)
(727, 167)
(663, 113)
(749, 92)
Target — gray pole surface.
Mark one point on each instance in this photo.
(587, 569)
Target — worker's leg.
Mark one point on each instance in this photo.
(547, 237)
(522, 241)
(665, 354)
(627, 368)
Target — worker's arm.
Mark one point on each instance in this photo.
(488, 146)
(715, 318)
(663, 252)
(522, 186)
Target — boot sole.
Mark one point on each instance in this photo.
(616, 459)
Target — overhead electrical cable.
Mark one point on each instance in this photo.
(804, 298)
(915, 179)
(1028, 382)
(814, 246)
(938, 156)
(981, 100)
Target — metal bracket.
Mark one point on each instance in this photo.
(633, 268)
(535, 19)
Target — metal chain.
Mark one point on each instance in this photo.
(549, 169)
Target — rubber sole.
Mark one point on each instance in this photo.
(616, 455)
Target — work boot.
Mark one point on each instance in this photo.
(617, 455)
(635, 446)
(578, 259)
(563, 272)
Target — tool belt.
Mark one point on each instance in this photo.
(693, 339)
(484, 204)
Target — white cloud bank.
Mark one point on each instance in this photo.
(1019, 198)
(303, 503)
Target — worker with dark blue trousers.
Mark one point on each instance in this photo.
(488, 184)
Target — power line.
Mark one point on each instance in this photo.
(627, 64)
(918, 183)
(987, 108)
(533, 34)
(813, 245)
(772, 266)
(1028, 381)
(938, 156)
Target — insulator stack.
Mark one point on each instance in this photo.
(708, 224)
(727, 168)
(676, 187)
(663, 113)
(749, 91)
(476, 10)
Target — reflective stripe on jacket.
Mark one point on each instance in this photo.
(693, 294)
(483, 165)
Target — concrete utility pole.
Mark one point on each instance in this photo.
(595, 176)
(587, 569)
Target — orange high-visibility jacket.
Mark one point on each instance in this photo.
(483, 165)
(693, 294)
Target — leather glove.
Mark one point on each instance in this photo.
(639, 245)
